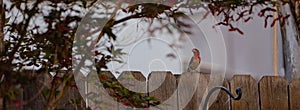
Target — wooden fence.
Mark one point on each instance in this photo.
(269, 93)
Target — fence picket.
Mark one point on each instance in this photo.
(273, 93)
(249, 100)
(162, 85)
(135, 82)
(181, 92)
(222, 101)
(106, 94)
(187, 87)
(194, 103)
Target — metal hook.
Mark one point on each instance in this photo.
(238, 91)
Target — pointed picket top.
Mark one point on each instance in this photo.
(106, 74)
(187, 87)
(163, 85)
(134, 81)
(157, 78)
(198, 96)
(273, 93)
(249, 99)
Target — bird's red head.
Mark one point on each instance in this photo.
(196, 51)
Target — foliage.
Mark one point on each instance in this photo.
(125, 96)
(235, 11)
(46, 45)
(39, 35)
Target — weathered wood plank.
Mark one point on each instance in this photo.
(295, 94)
(135, 82)
(249, 100)
(69, 100)
(32, 92)
(273, 93)
(162, 85)
(184, 92)
(187, 87)
(103, 98)
(222, 101)
(195, 102)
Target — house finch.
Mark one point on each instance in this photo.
(195, 60)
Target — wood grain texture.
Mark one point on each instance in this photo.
(187, 87)
(294, 87)
(273, 93)
(194, 103)
(249, 99)
(177, 92)
(135, 82)
(162, 85)
(105, 97)
(222, 101)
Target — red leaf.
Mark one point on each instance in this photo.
(286, 17)
(266, 23)
(127, 102)
(263, 11)
(273, 23)
(239, 18)
(119, 97)
(231, 29)
(246, 20)
(269, 9)
(241, 15)
(276, 19)
(103, 78)
(235, 29)
(251, 9)
(266, 19)
(220, 11)
(57, 78)
(222, 23)
(241, 32)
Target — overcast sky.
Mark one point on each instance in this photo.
(251, 53)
